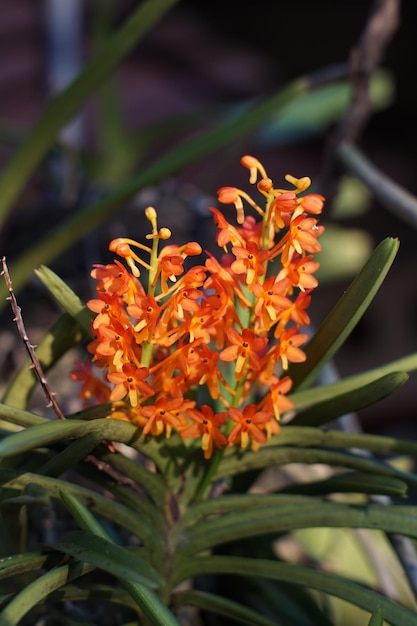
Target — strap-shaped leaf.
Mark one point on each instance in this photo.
(353, 482)
(310, 397)
(66, 297)
(39, 589)
(284, 518)
(345, 315)
(109, 557)
(22, 563)
(351, 401)
(281, 455)
(309, 436)
(221, 606)
(395, 614)
(50, 432)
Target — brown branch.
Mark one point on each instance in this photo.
(364, 59)
(49, 394)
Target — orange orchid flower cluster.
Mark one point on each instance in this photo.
(224, 330)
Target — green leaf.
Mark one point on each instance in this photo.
(306, 436)
(353, 482)
(71, 455)
(22, 563)
(281, 455)
(20, 417)
(107, 556)
(66, 104)
(284, 518)
(331, 584)
(47, 432)
(220, 606)
(345, 315)
(63, 335)
(377, 618)
(350, 401)
(39, 589)
(309, 397)
(65, 296)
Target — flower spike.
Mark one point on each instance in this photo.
(231, 324)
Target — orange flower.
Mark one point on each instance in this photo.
(165, 414)
(245, 348)
(250, 260)
(130, 382)
(276, 399)
(92, 387)
(271, 301)
(207, 425)
(286, 350)
(299, 272)
(249, 423)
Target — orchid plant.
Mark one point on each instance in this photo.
(199, 377)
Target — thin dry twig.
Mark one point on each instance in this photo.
(49, 394)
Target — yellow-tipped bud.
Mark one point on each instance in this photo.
(164, 233)
(151, 215)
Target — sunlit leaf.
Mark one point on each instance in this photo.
(350, 401)
(343, 318)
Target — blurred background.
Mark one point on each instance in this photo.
(202, 62)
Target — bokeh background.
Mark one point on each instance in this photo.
(204, 57)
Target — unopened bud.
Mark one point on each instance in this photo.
(164, 233)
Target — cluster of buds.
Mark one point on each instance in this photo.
(205, 350)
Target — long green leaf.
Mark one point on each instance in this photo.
(309, 436)
(88, 218)
(107, 593)
(65, 296)
(39, 589)
(107, 556)
(353, 482)
(20, 417)
(220, 606)
(281, 455)
(146, 599)
(345, 315)
(284, 518)
(64, 334)
(53, 431)
(351, 401)
(310, 397)
(67, 103)
(394, 613)
(22, 563)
